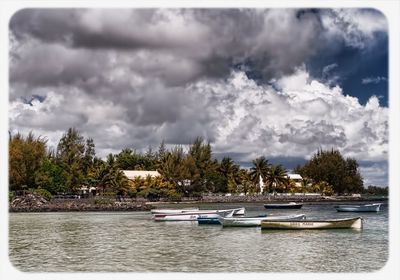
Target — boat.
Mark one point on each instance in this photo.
(207, 221)
(374, 207)
(290, 205)
(348, 223)
(193, 215)
(172, 211)
(254, 221)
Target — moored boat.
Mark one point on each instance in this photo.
(374, 207)
(192, 216)
(348, 223)
(207, 221)
(290, 205)
(173, 211)
(254, 221)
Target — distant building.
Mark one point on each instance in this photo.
(296, 178)
(133, 174)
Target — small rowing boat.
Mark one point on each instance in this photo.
(374, 207)
(173, 211)
(349, 223)
(193, 215)
(255, 221)
(290, 205)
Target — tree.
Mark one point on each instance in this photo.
(276, 178)
(173, 169)
(51, 177)
(70, 153)
(25, 159)
(246, 185)
(89, 156)
(339, 173)
(259, 170)
(230, 172)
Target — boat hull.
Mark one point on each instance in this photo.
(208, 221)
(173, 211)
(351, 223)
(256, 221)
(192, 216)
(359, 208)
(283, 206)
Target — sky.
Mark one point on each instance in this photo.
(279, 83)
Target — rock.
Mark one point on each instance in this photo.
(31, 201)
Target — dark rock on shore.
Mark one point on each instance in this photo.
(36, 203)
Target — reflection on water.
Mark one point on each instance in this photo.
(131, 241)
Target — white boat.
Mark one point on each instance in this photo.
(193, 215)
(254, 221)
(290, 205)
(349, 223)
(173, 211)
(374, 207)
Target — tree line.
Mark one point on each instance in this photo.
(187, 172)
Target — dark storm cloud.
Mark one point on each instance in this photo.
(211, 41)
(45, 65)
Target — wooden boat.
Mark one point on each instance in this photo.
(192, 216)
(290, 205)
(349, 223)
(254, 221)
(172, 211)
(207, 221)
(374, 207)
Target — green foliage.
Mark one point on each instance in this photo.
(11, 196)
(259, 169)
(128, 159)
(26, 155)
(43, 193)
(183, 173)
(51, 177)
(70, 156)
(106, 199)
(377, 191)
(276, 178)
(330, 166)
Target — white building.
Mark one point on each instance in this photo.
(133, 174)
(296, 178)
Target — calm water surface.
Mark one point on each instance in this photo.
(132, 242)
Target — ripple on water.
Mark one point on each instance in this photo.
(133, 242)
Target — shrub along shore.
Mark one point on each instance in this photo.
(36, 203)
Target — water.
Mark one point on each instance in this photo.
(132, 242)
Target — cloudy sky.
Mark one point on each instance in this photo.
(275, 82)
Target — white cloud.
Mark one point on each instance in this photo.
(373, 80)
(302, 117)
(357, 27)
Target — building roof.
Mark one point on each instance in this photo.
(295, 176)
(132, 174)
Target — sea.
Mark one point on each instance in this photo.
(133, 242)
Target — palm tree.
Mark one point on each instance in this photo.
(276, 177)
(306, 184)
(230, 171)
(259, 170)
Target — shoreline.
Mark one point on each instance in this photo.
(34, 203)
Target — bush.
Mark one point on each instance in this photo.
(43, 193)
(103, 201)
(173, 195)
(11, 196)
